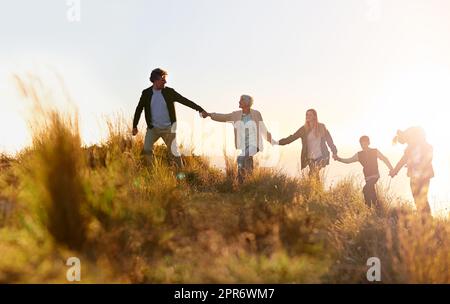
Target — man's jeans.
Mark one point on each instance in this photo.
(169, 139)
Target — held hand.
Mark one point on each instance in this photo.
(135, 131)
(336, 157)
(274, 142)
(392, 173)
(204, 114)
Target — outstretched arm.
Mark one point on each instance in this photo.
(221, 117)
(385, 160)
(330, 142)
(287, 140)
(400, 165)
(350, 160)
(263, 128)
(184, 101)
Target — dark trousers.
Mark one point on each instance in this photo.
(370, 193)
(245, 167)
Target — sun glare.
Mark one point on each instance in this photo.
(422, 98)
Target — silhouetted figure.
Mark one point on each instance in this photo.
(249, 131)
(315, 138)
(368, 158)
(157, 102)
(418, 158)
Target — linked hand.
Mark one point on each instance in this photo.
(392, 173)
(204, 114)
(135, 131)
(274, 142)
(336, 157)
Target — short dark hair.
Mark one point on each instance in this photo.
(157, 74)
(364, 138)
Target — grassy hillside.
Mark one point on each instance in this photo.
(131, 223)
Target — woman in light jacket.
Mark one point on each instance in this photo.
(315, 138)
(249, 132)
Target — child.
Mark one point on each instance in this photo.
(368, 158)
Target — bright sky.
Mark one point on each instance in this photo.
(368, 67)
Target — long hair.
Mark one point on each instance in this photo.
(410, 136)
(314, 125)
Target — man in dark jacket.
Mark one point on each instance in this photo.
(157, 102)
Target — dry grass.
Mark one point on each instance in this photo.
(129, 222)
